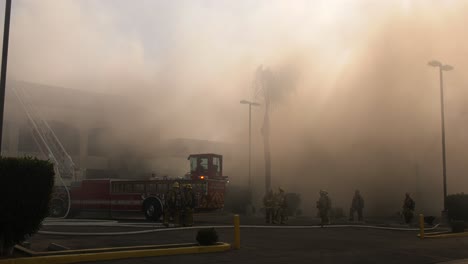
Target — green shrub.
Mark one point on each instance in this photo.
(25, 189)
(457, 207)
(207, 236)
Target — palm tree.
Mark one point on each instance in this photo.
(271, 88)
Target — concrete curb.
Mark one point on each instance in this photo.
(459, 261)
(229, 226)
(128, 252)
(445, 235)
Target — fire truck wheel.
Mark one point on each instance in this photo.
(152, 209)
(57, 208)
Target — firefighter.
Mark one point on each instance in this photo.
(189, 205)
(324, 207)
(280, 207)
(269, 203)
(408, 208)
(173, 205)
(357, 205)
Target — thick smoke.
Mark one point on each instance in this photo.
(362, 110)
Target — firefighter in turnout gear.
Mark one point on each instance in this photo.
(173, 205)
(356, 206)
(324, 207)
(269, 203)
(408, 208)
(280, 207)
(189, 205)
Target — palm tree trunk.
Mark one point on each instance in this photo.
(266, 142)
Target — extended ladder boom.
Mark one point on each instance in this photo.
(49, 145)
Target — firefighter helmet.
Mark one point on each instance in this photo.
(175, 185)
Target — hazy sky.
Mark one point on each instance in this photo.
(177, 54)
(362, 89)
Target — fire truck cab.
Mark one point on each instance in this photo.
(206, 166)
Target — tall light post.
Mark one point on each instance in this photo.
(442, 68)
(6, 37)
(250, 136)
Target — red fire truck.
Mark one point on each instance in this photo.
(146, 196)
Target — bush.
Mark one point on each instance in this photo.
(293, 201)
(207, 236)
(457, 207)
(25, 189)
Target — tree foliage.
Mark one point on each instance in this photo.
(25, 190)
(275, 86)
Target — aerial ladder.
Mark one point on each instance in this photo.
(48, 143)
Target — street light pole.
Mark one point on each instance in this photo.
(250, 137)
(442, 68)
(6, 37)
(442, 113)
(250, 145)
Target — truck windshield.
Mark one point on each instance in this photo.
(198, 164)
(217, 166)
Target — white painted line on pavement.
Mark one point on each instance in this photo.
(224, 226)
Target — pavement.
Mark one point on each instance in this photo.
(301, 241)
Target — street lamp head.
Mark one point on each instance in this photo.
(447, 68)
(435, 63)
(249, 103)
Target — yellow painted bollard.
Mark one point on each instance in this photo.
(421, 226)
(236, 232)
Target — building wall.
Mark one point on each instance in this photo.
(79, 126)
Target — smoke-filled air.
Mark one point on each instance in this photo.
(352, 101)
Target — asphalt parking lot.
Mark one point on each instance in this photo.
(275, 244)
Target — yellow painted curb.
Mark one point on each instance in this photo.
(74, 258)
(99, 250)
